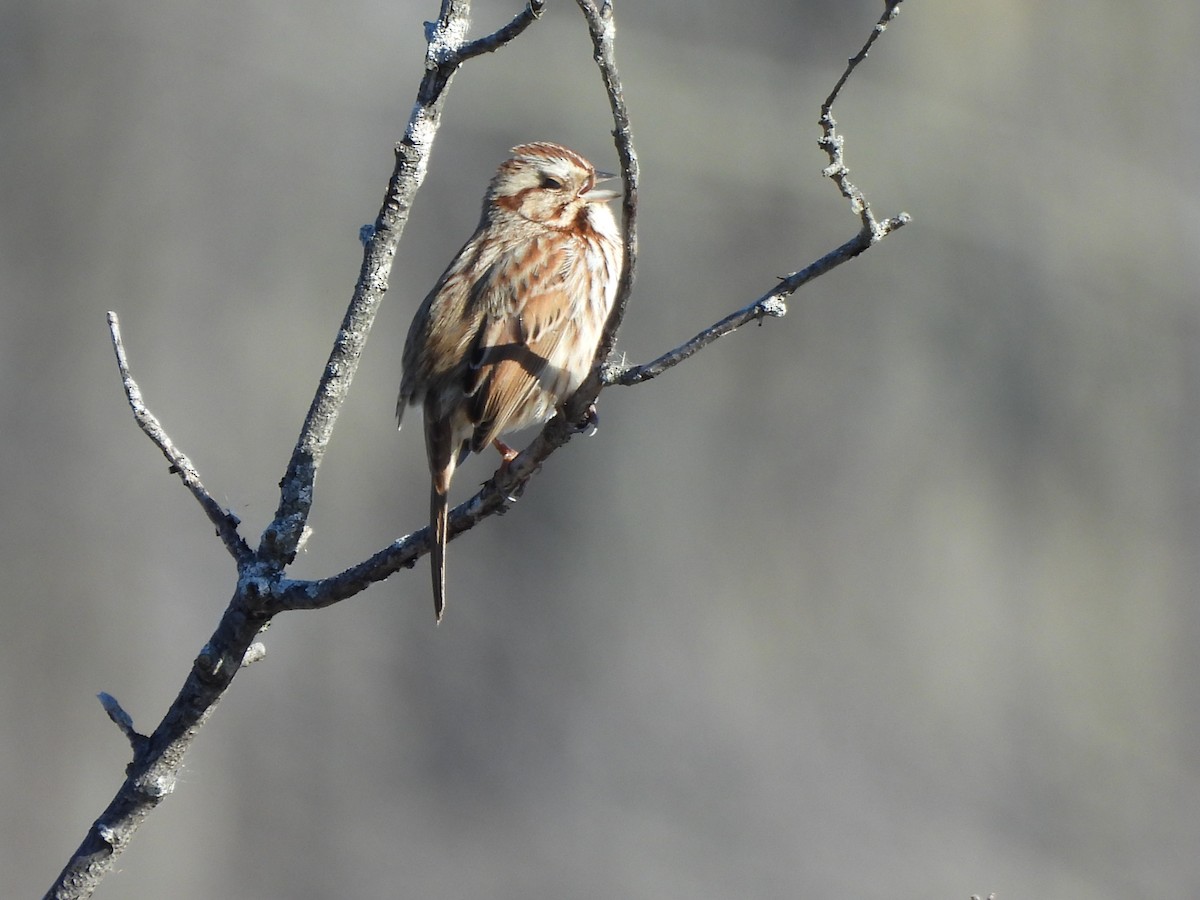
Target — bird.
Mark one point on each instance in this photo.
(511, 328)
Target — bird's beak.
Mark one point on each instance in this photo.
(601, 195)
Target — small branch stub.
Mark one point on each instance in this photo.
(123, 721)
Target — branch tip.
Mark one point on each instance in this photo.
(226, 523)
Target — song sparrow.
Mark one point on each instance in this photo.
(511, 328)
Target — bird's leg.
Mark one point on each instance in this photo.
(507, 453)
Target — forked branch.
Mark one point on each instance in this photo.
(771, 304)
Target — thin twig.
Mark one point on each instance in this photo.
(492, 42)
(771, 304)
(225, 521)
(602, 28)
(833, 143)
(496, 495)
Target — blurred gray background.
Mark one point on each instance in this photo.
(894, 597)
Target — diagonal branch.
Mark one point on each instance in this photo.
(226, 522)
(495, 496)
(769, 305)
(603, 29)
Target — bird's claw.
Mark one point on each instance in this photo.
(591, 422)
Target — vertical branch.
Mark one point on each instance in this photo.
(602, 27)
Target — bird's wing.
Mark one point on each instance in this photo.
(526, 303)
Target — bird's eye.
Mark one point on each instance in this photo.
(552, 184)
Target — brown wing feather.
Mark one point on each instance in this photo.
(515, 372)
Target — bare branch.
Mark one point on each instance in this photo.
(226, 522)
(495, 496)
(497, 39)
(832, 142)
(603, 29)
(771, 303)
(158, 758)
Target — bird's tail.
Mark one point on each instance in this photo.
(439, 498)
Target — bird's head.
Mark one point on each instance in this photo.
(547, 184)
